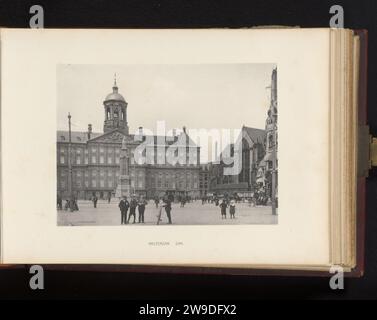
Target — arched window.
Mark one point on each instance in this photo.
(123, 115)
(116, 114)
(108, 114)
(270, 141)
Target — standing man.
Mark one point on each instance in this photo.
(223, 206)
(168, 208)
(141, 207)
(95, 199)
(123, 206)
(133, 205)
(109, 198)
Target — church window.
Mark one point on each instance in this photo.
(270, 141)
(108, 114)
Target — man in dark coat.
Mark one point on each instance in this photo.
(223, 206)
(95, 199)
(168, 208)
(141, 207)
(133, 205)
(123, 206)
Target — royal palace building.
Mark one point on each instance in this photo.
(88, 162)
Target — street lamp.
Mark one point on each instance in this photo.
(70, 189)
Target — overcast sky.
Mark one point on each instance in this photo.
(195, 96)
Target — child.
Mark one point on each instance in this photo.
(232, 209)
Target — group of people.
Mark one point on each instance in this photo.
(224, 204)
(125, 205)
(162, 204)
(69, 205)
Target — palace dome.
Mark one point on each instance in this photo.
(115, 95)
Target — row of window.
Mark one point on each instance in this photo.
(109, 178)
(99, 156)
(102, 183)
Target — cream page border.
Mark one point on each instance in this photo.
(28, 80)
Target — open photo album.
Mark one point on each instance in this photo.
(210, 150)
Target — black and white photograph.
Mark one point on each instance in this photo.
(167, 144)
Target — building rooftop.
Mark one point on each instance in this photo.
(257, 135)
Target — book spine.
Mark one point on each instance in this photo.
(1, 175)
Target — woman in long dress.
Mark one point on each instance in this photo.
(232, 209)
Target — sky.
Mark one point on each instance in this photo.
(195, 96)
(220, 96)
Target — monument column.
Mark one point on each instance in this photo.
(124, 182)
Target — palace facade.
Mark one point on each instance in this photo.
(94, 159)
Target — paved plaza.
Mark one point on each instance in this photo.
(194, 213)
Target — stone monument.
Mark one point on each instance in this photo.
(124, 181)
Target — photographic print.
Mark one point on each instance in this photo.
(163, 145)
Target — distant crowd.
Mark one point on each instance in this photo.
(132, 209)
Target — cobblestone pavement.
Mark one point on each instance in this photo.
(194, 213)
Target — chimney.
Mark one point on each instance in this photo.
(184, 129)
(89, 131)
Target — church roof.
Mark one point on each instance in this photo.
(257, 135)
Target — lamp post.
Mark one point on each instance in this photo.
(70, 189)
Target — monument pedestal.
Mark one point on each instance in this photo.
(124, 187)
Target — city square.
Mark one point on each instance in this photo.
(193, 213)
(124, 165)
